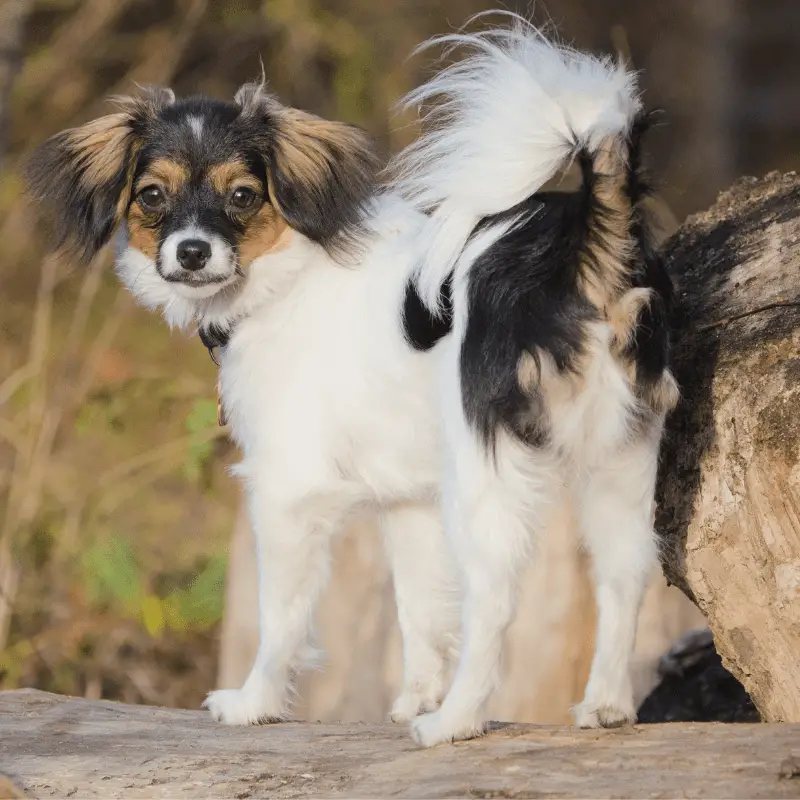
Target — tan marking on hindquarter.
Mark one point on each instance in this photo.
(623, 314)
(166, 172)
(552, 391)
(623, 317)
(266, 232)
(141, 236)
(605, 283)
(544, 379)
(224, 177)
(612, 249)
(664, 394)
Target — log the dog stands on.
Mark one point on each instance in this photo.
(729, 517)
(52, 746)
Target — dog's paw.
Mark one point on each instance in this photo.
(431, 729)
(237, 707)
(606, 715)
(411, 703)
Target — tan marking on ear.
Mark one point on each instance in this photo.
(140, 235)
(224, 176)
(101, 146)
(306, 143)
(171, 174)
(267, 232)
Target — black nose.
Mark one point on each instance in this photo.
(193, 253)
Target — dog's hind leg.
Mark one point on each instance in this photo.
(615, 508)
(426, 591)
(493, 516)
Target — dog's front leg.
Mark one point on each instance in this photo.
(293, 551)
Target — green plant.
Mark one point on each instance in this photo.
(115, 580)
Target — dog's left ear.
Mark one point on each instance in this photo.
(83, 175)
(322, 174)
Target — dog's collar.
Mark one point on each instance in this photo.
(213, 337)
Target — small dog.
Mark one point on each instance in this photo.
(556, 373)
(262, 226)
(373, 357)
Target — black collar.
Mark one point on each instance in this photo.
(214, 336)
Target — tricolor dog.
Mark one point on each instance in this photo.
(456, 346)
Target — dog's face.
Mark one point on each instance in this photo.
(200, 188)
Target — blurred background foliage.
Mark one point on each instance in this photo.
(115, 504)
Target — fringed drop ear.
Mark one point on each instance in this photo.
(83, 175)
(322, 174)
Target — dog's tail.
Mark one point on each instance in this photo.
(506, 119)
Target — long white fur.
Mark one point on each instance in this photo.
(510, 116)
(335, 414)
(506, 119)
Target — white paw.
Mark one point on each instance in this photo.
(239, 707)
(412, 703)
(432, 729)
(606, 715)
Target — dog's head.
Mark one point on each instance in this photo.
(200, 188)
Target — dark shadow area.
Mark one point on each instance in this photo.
(696, 687)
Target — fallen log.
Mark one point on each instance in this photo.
(729, 491)
(52, 746)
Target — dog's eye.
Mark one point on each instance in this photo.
(152, 198)
(243, 198)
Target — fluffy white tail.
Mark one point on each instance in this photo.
(506, 119)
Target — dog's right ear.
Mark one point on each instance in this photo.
(83, 176)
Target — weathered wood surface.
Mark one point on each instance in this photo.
(729, 505)
(53, 746)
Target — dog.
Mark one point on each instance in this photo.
(459, 341)
(262, 226)
(556, 373)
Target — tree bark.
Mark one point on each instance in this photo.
(729, 492)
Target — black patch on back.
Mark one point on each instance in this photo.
(523, 296)
(422, 328)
